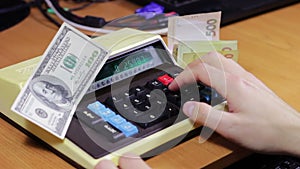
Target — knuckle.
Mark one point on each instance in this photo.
(236, 81)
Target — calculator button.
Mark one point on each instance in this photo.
(100, 110)
(171, 110)
(173, 97)
(165, 79)
(120, 123)
(128, 129)
(116, 98)
(145, 113)
(116, 120)
(110, 101)
(110, 132)
(123, 106)
(153, 116)
(105, 113)
(126, 94)
(144, 106)
(136, 101)
(205, 95)
(133, 112)
(154, 84)
(137, 91)
(89, 118)
(96, 106)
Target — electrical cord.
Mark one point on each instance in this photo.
(43, 8)
(15, 8)
(81, 7)
(39, 4)
(90, 23)
(156, 23)
(76, 21)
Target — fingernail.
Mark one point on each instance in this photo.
(188, 108)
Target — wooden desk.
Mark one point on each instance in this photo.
(269, 48)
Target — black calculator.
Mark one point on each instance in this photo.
(130, 100)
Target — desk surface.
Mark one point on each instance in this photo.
(269, 48)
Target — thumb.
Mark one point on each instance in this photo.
(204, 114)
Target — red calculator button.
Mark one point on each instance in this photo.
(165, 79)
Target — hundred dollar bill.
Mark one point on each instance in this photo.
(68, 67)
(186, 52)
(197, 27)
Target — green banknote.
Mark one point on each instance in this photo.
(68, 67)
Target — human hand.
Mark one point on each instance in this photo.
(127, 161)
(257, 118)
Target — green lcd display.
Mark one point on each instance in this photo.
(122, 64)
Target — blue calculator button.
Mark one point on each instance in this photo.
(116, 120)
(106, 113)
(96, 106)
(128, 129)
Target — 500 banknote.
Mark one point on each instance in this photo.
(186, 52)
(68, 67)
(196, 27)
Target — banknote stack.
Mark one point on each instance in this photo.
(192, 36)
(67, 67)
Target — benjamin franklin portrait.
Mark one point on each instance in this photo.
(52, 92)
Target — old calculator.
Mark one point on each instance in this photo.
(128, 107)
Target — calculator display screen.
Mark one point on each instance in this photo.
(127, 65)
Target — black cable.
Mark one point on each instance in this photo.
(87, 20)
(16, 7)
(39, 5)
(81, 7)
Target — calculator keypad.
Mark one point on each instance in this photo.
(129, 112)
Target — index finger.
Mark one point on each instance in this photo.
(199, 71)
